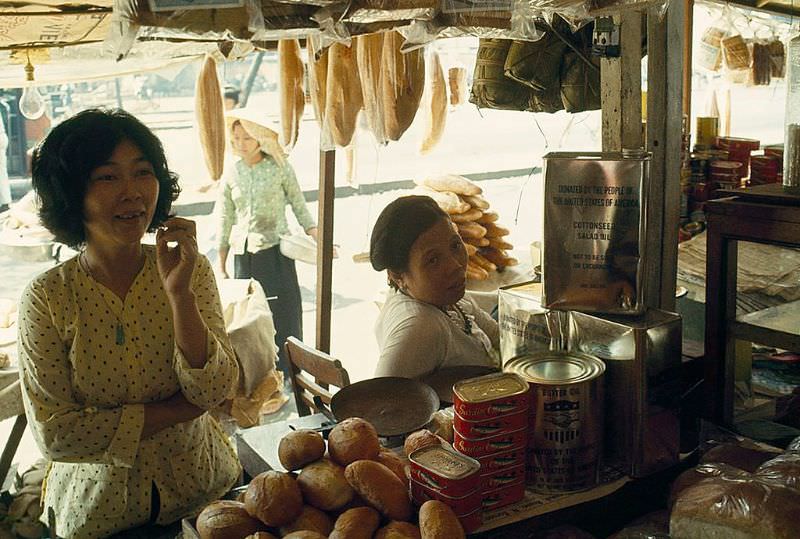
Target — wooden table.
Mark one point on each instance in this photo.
(770, 216)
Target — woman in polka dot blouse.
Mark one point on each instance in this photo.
(122, 348)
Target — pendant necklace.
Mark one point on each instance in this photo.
(460, 318)
(120, 331)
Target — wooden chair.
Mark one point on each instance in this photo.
(313, 373)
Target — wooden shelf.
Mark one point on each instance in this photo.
(776, 326)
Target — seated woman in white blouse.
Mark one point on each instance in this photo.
(123, 347)
(426, 323)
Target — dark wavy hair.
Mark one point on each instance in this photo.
(64, 160)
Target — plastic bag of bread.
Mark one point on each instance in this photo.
(290, 89)
(402, 83)
(369, 52)
(735, 508)
(224, 519)
(700, 472)
(739, 455)
(317, 77)
(210, 117)
(457, 79)
(369, 11)
(343, 98)
(435, 105)
(783, 469)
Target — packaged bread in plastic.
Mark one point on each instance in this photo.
(291, 91)
(210, 117)
(435, 105)
(402, 83)
(343, 98)
(370, 11)
(369, 53)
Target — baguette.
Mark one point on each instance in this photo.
(471, 214)
(318, 81)
(488, 217)
(210, 118)
(497, 257)
(476, 272)
(449, 202)
(471, 230)
(290, 89)
(476, 201)
(498, 243)
(453, 183)
(356, 523)
(438, 521)
(494, 231)
(436, 113)
(343, 98)
(471, 249)
(380, 488)
(477, 242)
(458, 85)
(402, 82)
(369, 49)
(482, 262)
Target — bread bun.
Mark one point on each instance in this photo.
(380, 488)
(394, 462)
(311, 519)
(418, 440)
(274, 498)
(226, 519)
(299, 448)
(703, 471)
(438, 521)
(304, 534)
(783, 470)
(398, 530)
(353, 439)
(324, 486)
(261, 535)
(744, 458)
(356, 523)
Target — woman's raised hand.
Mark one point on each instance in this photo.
(175, 264)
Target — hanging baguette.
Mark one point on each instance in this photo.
(402, 82)
(342, 94)
(210, 116)
(291, 94)
(369, 50)
(457, 77)
(317, 81)
(436, 106)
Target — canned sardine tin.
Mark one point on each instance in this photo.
(441, 468)
(484, 397)
(566, 419)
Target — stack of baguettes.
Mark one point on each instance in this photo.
(483, 237)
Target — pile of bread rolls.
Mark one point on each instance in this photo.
(483, 237)
(738, 492)
(354, 490)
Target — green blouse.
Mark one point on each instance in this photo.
(253, 205)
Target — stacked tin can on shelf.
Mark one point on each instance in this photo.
(439, 473)
(491, 425)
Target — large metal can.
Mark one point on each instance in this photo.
(566, 419)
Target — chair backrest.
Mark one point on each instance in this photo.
(313, 374)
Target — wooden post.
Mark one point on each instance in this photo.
(621, 87)
(664, 138)
(327, 174)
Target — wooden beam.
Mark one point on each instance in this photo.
(621, 88)
(327, 174)
(688, 31)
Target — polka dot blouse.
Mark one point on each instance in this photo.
(84, 389)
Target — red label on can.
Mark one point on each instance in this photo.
(503, 460)
(503, 496)
(494, 426)
(445, 470)
(488, 396)
(460, 505)
(479, 447)
(501, 478)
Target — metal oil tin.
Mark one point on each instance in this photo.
(445, 470)
(485, 397)
(566, 419)
(594, 252)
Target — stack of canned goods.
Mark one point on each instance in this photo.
(439, 473)
(491, 425)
